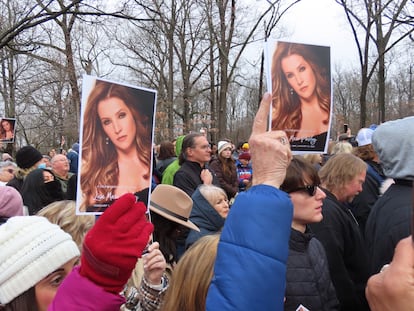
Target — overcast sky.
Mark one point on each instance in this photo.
(321, 22)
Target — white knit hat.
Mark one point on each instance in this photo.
(222, 144)
(30, 249)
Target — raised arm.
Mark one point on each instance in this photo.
(250, 268)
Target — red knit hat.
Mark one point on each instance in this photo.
(244, 156)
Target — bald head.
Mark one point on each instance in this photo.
(60, 165)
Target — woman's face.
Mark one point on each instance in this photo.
(7, 173)
(6, 125)
(226, 153)
(307, 209)
(48, 176)
(117, 122)
(222, 206)
(46, 289)
(299, 75)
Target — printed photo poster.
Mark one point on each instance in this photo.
(116, 136)
(7, 130)
(299, 78)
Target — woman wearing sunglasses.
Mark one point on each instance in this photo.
(308, 282)
(7, 169)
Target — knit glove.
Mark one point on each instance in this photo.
(113, 245)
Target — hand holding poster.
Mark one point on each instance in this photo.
(299, 79)
(116, 143)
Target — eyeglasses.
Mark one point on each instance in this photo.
(207, 146)
(310, 189)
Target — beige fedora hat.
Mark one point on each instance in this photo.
(172, 203)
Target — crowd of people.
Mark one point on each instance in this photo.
(243, 226)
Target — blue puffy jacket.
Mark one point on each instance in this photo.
(250, 268)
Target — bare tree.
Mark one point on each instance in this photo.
(384, 24)
(231, 47)
(346, 99)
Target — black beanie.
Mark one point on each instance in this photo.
(27, 156)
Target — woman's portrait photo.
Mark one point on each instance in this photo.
(116, 143)
(7, 128)
(300, 84)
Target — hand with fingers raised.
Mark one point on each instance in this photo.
(268, 147)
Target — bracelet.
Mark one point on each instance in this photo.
(131, 298)
(156, 287)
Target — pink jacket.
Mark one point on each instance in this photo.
(79, 293)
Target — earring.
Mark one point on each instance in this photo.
(291, 91)
(106, 140)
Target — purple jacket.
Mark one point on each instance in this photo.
(79, 293)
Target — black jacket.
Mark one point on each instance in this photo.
(388, 223)
(362, 204)
(187, 178)
(16, 183)
(340, 235)
(307, 277)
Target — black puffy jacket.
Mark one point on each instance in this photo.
(307, 277)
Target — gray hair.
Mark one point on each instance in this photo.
(211, 193)
(4, 164)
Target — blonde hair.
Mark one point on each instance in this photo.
(340, 169)
(21, 173)
(342, 147)
(212, 193)
(63, 214)
(313, 158)
(191, 277)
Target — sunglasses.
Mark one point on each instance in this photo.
(310, 189)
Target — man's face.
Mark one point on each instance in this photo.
(60, 164)
(201, 152)
(352, 188)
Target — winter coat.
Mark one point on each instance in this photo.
(307, 278)
(73, 158)
(362, 203)
(163, 164)
(79, 293)
(340, 235)
(228, 182)
(250, 267)
(187, 178)
(388, 223)
(16, 183)
(205, 217)
(173, 167)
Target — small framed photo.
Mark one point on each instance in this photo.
(7, 130)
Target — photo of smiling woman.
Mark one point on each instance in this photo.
(116, 143)
(301, 90)
(7, 130)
